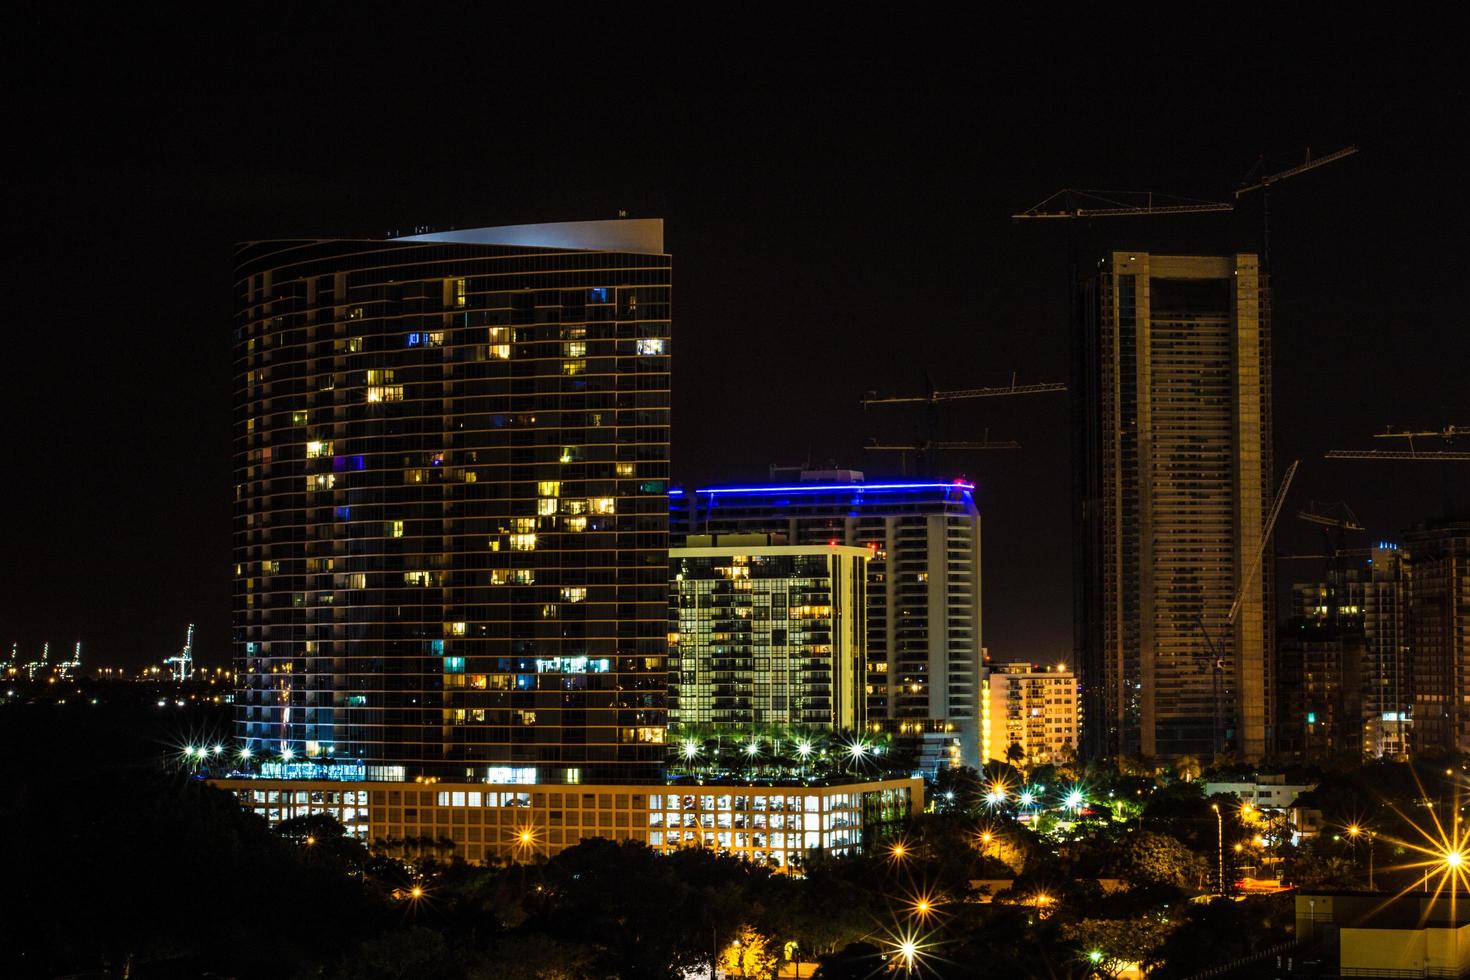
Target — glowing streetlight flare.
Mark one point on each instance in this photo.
(690, 750)
(753, 748)
(804, 749)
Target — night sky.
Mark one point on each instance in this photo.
(837, 202)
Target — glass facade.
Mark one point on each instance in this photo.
(451, 511)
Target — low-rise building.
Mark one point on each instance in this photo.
(1273, 791)
(773, 826)
(1410, 935)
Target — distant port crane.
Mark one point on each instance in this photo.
(181, 664)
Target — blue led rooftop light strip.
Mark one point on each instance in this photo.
(840, 487)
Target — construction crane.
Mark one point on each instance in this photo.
(183, 661)
(927, 447)
(1448, 434)
(1217, 654)
(1264, 183)
(1254, 182)
(1313, 515)
(941, 445)
(959, 394)
(1325, 516)
(1074, 203)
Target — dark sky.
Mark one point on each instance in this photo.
(837, 202)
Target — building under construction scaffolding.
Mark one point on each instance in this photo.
(1172, 412)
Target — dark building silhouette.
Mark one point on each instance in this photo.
(1439, 633)
(451, 510)
(1173, 485)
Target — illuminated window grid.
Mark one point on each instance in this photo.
(773, 826)
(295, 316)
(765, 826)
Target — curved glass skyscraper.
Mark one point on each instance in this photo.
(451, 510)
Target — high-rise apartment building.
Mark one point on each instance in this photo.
(1173, 485)
(923, 592)
(1362, 603)
(1438, 619)
(1030, 714)
(765, 635)
(451, 511)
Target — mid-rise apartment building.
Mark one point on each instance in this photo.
(766, 635)
(923, 591)
(1031, 714)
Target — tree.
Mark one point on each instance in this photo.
(1187, 768)
(1148, 858)
(1111, 945)
(750, 954)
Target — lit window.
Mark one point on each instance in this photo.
(626, 469)
(546, 506)
(415, 476)
(574, 348)
(549, 488)
(523, 542)
(354, 344)
(454, 665)
(322, 481)
(355, 313)
(416, 578)
(499, 348)
(573, 367)
(571, 454)
(498, 576)
(385, 393)
(523, 576)
(377, 377)
(459, 291)
(574, 506)
(455, 629)
(603, 505)
(525, 525)
(357, 580)
(576, 523)
(573, 594)
(650, 346)
(394, 529)
(316, 450)
(300, 418)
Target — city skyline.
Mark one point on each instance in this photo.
(1358, 251)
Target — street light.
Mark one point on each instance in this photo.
(1219, 847)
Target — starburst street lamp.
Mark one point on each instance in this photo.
(857, 752)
